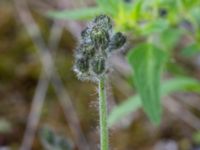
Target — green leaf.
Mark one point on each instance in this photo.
(176, 69)
(147, 61)
(156, 26)
(134, 103)
(136, 10)
(180, 84)
(102, 3)
(109, 6)
(194, 12)
(130, 105)
(77, 14)
(169, 38)
(191, 50)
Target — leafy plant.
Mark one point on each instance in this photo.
(160, 24)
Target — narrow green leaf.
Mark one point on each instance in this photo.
(109, 6)
(180, 84)
(147, 61)
(130, 105)
(77, 14)
(102, 3)
(134, 103)
(191, 50)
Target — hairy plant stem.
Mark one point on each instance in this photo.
(103, 115)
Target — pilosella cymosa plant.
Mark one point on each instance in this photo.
(97, 43)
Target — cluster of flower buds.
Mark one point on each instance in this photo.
(97, 43)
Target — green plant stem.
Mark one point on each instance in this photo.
(103, 115)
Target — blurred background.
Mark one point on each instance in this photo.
(44, 106)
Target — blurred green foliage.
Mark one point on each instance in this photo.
(160, 24)
(167, 87)
(147, 77)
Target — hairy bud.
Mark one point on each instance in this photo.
(117, 41)
(104, 22)
(99, 37)
(85, 35)
(82, 65)
(98, 65)
(87, 50)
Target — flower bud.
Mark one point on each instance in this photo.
(117, 41)
(98, 65)
(99, 37)
(85, 35)
(85, 32)
(87, 50)
(82, 65)
(103, 22)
